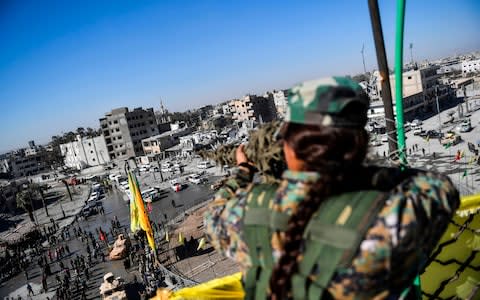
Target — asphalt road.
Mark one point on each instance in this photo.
(114, 205)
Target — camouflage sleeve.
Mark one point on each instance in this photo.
(421, 208)
(407, 229)
(224, 216)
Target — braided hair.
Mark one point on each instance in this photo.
(335, 153)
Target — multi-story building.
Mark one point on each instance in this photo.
(85, 152)
(27, 165)
(8, 192)
(124, 130)
(280, 101)
(252, 107)
(4, 164)
(159, 143)
(226, 110)
(470, 66)
(420, 91)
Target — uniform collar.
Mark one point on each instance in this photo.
(303, 176)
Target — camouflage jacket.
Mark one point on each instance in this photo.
(406, 230)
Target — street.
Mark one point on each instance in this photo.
(114, 205)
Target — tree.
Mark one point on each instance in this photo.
(24, 201)
(90, 132)
(81, 131)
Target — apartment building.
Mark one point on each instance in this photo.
(124, 130)
(157, 144)
(252, 107)
(27, 165)
(470, 66)
(85, 152)
(420, 89)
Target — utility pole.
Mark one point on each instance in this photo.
(384, 77)
(363, 58)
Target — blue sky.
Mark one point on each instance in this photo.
(63, 64)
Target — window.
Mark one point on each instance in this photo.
(89, 144)
(93, 159)
(409, 77)
(91, 151)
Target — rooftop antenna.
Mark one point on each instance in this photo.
(363, 58)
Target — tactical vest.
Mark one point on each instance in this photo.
(332, 237)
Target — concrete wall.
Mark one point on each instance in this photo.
(85, 152)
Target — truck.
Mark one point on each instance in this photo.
(450, 138)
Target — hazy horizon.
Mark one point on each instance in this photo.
(64, 65)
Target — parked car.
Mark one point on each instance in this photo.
(166, 167)
(204, 165)
(416, 122)
(93, 197)
(197, 179)
(150, 193)
(418, 131)
(433, 134)
(465, 126)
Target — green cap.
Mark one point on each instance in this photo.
(325, 101)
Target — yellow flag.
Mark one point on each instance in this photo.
(201, 244)
(428, 138)
(142, 214)
(472, 159)
(166, 236)
(462, 154)
(134, 222)
(180, 238)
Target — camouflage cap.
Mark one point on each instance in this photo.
(324, 102)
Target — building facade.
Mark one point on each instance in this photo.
(124, 130)
(420, 90)
(27, 165)
(280, 101)
(159, 143)
(252, 107)
(85, 152)
(470, 66)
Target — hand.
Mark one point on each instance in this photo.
(240, 155)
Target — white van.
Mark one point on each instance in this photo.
(204, 165)
(150, 193)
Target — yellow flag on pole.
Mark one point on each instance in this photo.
(201, 244)
(472, 159)
(134, 222)
(180, 238)
(142, 214)
(166, 236)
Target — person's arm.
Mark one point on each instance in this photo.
(224, 215)
(421, 209)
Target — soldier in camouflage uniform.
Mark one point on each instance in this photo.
(415, 209)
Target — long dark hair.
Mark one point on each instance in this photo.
(337, 154)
